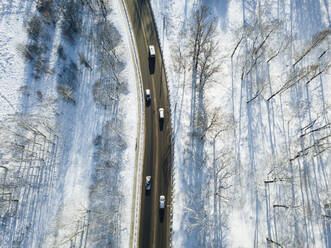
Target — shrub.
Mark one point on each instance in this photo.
(84, 61)
(61, 53)
(34, 28)
(46, 8)
(66, 94)
(68, 76)
(72, 22)
(29, 51)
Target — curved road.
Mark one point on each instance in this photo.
(154, 226)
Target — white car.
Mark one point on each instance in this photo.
(148, 95)
(148, 183)
(161, 113)
(162, 201)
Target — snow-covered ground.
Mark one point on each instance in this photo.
(68, 121)
(252, 154)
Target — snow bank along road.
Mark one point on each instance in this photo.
(154, 228)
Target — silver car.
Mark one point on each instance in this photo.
(148, 95)
(148, 182)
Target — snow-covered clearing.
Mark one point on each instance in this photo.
(68, 121)
(252, 137)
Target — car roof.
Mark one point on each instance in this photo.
(152, 50)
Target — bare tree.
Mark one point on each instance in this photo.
(306, 74)
(202, 31)
(209, 64)
(316, 41)
(180, 53)
(217, 123)
(270, 241)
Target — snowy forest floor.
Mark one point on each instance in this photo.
(250, 95)
(67, 124)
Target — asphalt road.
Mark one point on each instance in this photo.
(154, 226)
